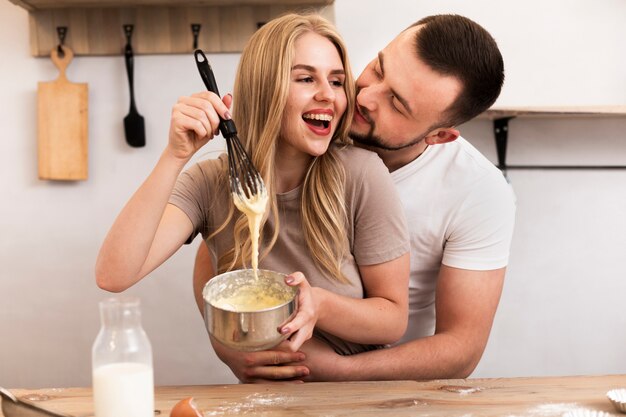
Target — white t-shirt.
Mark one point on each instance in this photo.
(460, 212)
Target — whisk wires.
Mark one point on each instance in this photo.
(245, 180)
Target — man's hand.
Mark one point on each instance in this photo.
(278, 365)
(323, 363)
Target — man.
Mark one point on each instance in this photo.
(435, 75)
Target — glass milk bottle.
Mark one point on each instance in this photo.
(123, 383)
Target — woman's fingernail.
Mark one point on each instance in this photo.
(284, 330)
(227, 115)
(289, 280)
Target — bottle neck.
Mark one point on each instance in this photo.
(120, 312)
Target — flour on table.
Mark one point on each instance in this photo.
(548, 410)
(250, 404)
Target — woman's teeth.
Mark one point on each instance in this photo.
(318, 119)
(325, 117)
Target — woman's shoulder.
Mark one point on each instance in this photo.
(358, 159)
(208, 168)
(364, 171)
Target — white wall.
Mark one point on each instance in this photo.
(562, 307)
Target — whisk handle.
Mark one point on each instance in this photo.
(227, 127)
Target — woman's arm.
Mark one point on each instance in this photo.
(144, 222)
(148, 230)
(379, 318)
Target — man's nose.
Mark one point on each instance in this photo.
(366, 97)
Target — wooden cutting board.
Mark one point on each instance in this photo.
(62, 124)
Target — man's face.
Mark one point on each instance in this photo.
(400, 100)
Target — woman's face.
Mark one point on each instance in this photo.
(317, 99)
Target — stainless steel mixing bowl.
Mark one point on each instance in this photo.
(248, 330)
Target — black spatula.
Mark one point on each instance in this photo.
(134, 129)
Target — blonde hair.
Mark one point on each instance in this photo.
(261, 91)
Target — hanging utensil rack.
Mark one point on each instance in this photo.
(161, 26)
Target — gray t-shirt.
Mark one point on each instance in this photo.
(376, 229)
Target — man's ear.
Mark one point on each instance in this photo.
(439, 136)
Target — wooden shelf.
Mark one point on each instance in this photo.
(59, 4)
(553, 111)
(501, 116)
(160, 26)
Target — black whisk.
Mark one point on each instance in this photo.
(241, 170)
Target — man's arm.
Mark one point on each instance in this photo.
(466, 304)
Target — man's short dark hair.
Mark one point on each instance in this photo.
(456, 46)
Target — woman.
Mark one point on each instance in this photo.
(332, 214)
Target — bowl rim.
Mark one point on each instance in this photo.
(224, 275)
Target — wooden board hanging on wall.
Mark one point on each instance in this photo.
(62, 120)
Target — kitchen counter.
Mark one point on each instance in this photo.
(511, 397)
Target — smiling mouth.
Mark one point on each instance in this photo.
(318, 120)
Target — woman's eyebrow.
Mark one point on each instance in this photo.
(311, 68)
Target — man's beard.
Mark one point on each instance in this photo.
(371, 140)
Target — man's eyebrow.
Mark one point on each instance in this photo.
(311, 68)
(401, 99)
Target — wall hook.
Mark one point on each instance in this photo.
(128, 31)
(195, 30)
(61, 32)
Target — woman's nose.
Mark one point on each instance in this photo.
(325, 93)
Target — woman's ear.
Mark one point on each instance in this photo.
(440, 136)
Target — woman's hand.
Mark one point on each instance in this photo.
(195, 121)
(300, 328)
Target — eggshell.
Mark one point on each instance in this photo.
(186, 408)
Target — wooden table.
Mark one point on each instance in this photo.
(510, 397)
